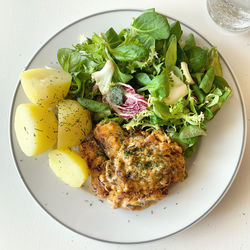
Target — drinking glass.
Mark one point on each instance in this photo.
(233, 15)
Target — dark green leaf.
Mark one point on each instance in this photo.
(221, 83)
(112, 38)
(190, 42)
(197, 59)
(181, 55)
(198, 93)
(175, 28)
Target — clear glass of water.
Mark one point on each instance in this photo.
(233, 15)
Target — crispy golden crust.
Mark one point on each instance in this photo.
(110, 136)
(141, 167)
(96, 160)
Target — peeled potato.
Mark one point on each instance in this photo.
(36, 128)
(69, 166)
(45, 87)
(74, 123)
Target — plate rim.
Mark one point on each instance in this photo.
(11, 116)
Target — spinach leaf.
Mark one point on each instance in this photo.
(197, 59)
(112, 38)
(159, 88)
(171, 55)
(190, 42)
(130, 52)
(207, 80)
(68, 58)
(116, 94)
(191, 131)
(153, 24)
(92, 105)
(143, 79)
(175, 28)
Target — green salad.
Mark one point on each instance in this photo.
(148, 76)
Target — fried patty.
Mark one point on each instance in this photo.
(134, 170)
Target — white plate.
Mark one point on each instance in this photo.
(211, 170)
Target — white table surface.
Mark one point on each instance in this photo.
(24, 26)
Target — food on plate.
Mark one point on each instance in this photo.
(147, 92)
(74, 123)
(36, 128)
(45, 86)
(132, 170)
(69, 166)
(148, 76)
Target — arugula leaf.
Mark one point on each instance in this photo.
(68, 58)
(153, 24)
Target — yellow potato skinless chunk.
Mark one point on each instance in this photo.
(69, 166)
(45, 87)
(74, 124)
(36, 128)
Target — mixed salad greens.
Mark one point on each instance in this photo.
(146, 77)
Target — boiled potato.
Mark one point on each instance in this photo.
(69, 166)
(36, 128)
(45, 87)
(74, 123)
